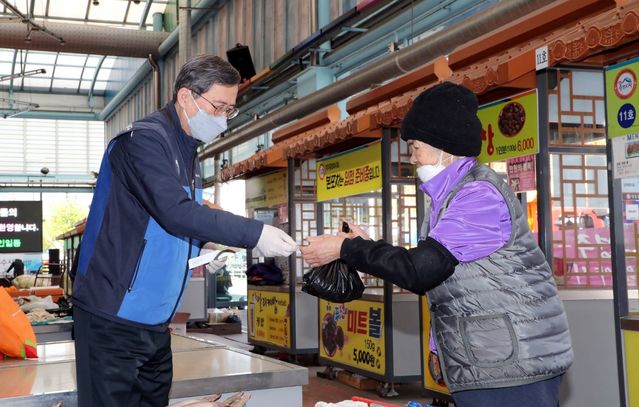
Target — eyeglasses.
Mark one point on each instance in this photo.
(224, 109)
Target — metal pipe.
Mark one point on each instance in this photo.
(145, 14)
(84, 39)
(217, 185)
(400, 62)
(184, 33)
(158, 22)
(157, 98)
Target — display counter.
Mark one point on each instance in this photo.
(199, 368)
(53, 332)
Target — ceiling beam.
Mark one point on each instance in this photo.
(145, 14)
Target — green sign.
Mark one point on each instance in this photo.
(622, 99)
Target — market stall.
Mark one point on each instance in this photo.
(376, 336)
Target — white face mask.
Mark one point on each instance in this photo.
(205, 127)
(428, 172)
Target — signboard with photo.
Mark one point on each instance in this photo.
(353, 334)
(509, 127)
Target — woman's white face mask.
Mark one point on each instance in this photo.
(429, 171)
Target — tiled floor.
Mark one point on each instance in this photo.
(319, 389)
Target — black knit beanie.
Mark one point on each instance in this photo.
(445, 117)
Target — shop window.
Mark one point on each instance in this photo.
(579, 186)
(401, 168)
(364, 210)
(576, 108)
(580, 221)
(305, 210)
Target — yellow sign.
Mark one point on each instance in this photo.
(622, 99)
(350, 173)
(433, 378)
(267, 190)
(631, 348)
(509, 128)
(269, 318)
(353, 334)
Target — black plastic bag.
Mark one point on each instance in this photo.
(335, 281)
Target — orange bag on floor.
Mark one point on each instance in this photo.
(16, 334)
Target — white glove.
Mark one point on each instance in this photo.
(273, 242)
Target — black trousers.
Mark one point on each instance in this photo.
(539, 394)
(120, 365)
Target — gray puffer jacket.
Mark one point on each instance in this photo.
(499, 321)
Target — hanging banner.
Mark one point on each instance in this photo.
(625, 153)
(351, 173)
(509, 128)
(267, 190)
(353, 334)
(622, 99)
(433, 378)
(521, 173)
(269, 317)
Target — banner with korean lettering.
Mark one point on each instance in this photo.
(267, 190)
(350, 173)
(622, 99)
(20, 226)
(352, 334)
(509, 127)
(269, 317)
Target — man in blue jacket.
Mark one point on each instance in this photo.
(146, 221)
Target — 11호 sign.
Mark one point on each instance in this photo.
(20, 226)
(622, 99)
(351, 173)
(352, 334)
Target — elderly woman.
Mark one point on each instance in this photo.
(498, 324)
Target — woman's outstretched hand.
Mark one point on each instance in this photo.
(322, 249)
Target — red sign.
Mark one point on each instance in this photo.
(521, 173)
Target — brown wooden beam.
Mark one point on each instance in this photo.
(329, 115)
(401, 85)
(540, 22)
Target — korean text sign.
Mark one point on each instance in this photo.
(267, 190)
(510, 127)
(269, 317)
(353, 334)
(20, 226)
(622, 99)
(350, 173)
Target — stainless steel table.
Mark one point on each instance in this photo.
(199, 368)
